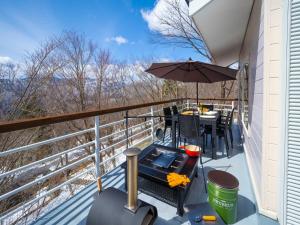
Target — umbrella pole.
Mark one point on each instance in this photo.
(197, 93)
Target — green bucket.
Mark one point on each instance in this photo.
(223, 195)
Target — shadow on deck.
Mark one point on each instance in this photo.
(75, 210)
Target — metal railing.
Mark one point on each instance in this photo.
(218, 106)
(140, 133)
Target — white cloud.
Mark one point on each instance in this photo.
(160, 10)
(152, 16)
(165, 60)
(120, 40)
(5, 59)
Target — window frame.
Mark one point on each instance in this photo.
(243, 85)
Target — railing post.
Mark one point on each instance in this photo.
(232, 104)
(97, 152)
(126, 129)
(152, 123)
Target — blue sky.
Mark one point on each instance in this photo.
(117, 25)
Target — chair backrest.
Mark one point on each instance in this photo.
(231, 117)
(175, 110)
(227, 120)
(210, 107)
(168, 116)
(189, 126)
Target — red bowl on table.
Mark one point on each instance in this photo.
(191, 150)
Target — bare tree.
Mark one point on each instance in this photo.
(144, 86)
(102, 63)
(24, 100)
(176, 27)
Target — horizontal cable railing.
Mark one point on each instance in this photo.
(216, 106)
(33, 201)
(36, 181)
(90, 152)
(45, 159)
(38, 144)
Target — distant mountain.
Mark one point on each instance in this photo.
(12, 85)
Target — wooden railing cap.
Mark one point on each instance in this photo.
(8, 126)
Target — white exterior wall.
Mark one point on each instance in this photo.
(262, 50)
(253, 53)
(272, 103)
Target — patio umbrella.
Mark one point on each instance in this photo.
(192, 71)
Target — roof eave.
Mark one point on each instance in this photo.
(222, 34)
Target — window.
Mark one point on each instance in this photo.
(243, 94)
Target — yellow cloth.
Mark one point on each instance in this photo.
(175, 179)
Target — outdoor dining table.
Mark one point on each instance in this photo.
(206, 119)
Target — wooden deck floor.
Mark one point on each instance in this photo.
(75, 210)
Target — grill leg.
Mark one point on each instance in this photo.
(196, 173)
(203, 173)
(180, 199)
(178, 136)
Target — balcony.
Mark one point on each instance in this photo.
(68, 198)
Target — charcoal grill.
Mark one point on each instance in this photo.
(115, 207)
(153, 177)
(164, 160)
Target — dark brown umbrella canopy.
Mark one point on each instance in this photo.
(192, 71)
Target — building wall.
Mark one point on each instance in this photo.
(262, 51)
(252, 53)
(272, 102)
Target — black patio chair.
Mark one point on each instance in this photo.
(175, 110)
(207, 131)
(208, 128)
(168, 121)
(222, 131)
(222, 123)
(190, 129)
